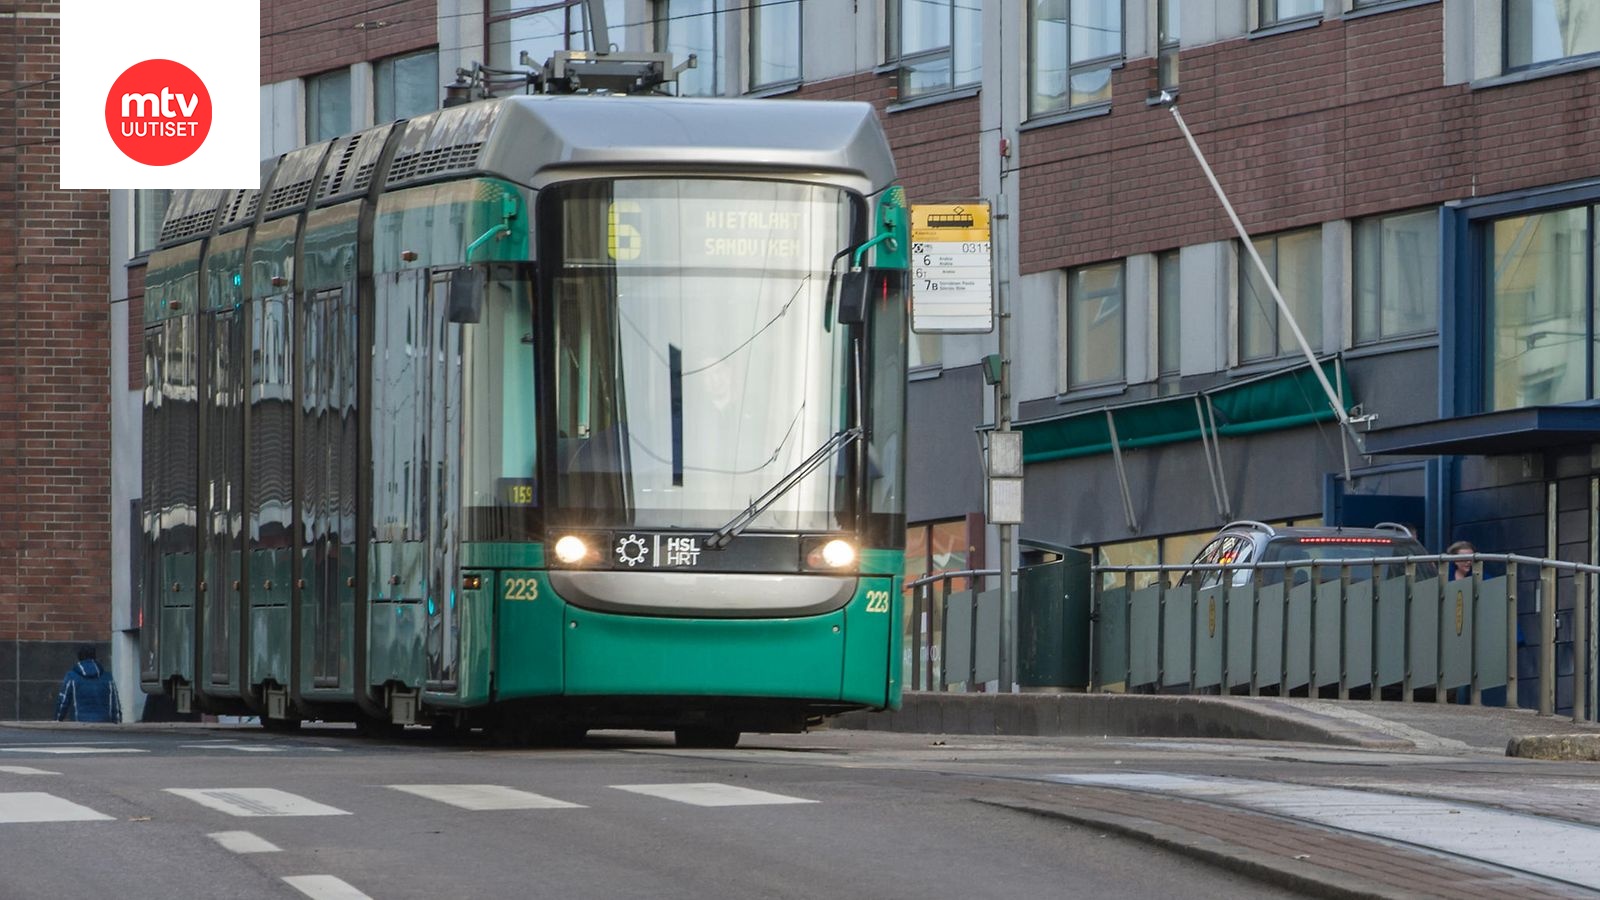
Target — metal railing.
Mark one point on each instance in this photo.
(1384, 627)
(1397, 626)
(929, 629)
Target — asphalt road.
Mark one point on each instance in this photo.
(135, 813)
(176, 812)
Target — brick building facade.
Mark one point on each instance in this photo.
(1381, 152)
(55, 438)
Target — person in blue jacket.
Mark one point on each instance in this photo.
(87, 693)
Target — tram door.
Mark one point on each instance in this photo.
(166, 635)
(269, 503)
(222, 483)
(328, 453)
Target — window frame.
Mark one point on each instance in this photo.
(314, 86)
(387, 64)
(1356, 285)
(1246, 268)
(1169, 313)
(139, 200)
(752, 43)
(1266, 21)
(894, 23)
(661, 17)
(1074, 67)
(575, 15)
(1169, 43)
(1508, 67)
(1067, 383)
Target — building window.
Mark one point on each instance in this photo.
(937, 44)
(149, 209)
(1294, 260)
(774, 43)
(1167, 313)
(1072, 47)
(1278, 12)
(541, 28)
(327, 105)
(1543, 31)
(685, 27)
(1541, 332)
(1397, 276)
(1167, 41)
(1094, 326)
(405, 86)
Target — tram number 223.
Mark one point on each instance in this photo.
(522, 589)
(877, 601)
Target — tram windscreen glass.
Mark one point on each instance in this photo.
(694, 366)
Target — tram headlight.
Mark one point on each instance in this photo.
(834, 554)
(571, 549)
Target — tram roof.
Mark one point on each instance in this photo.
(540, 139)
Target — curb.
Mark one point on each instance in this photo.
(1565, 747)
(1122, 715)
(1262, 867)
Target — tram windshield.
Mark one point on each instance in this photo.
(694, 365)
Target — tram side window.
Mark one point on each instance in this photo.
(501, 442)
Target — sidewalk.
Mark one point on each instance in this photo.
(1301, 856)
(1351, 723)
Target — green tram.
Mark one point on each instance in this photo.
(537, 414)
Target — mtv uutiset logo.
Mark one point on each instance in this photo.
(160, 94)
(158, 112)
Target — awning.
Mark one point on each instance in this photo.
(1509, 431)
(1283, 399)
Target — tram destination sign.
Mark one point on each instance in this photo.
(951, 268)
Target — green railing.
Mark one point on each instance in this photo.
(1380, 627)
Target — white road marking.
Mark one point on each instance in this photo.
(1547, 847)
(324, 887)
(483, 796)
(69, 750)
(25, 770)
(243, 842)
(256, 802)
(31, 806)
(242, 748)
(710, 794)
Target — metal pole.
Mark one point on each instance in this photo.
(1511, 636)
(1580, 640)
(1334, 399)
(1002, 413)
(1408, 691)
(1547, 642)
(1475, 693)
(1439, 693)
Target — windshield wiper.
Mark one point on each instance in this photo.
(760, 505)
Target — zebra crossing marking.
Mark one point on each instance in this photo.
(69, 750)
(243, 842)
(26, 770)
(33, 806)
(242, 748)
(324, 887)
(249, 802)
(480, 797)
(710, 794)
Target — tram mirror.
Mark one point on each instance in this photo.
(853, 288)
(466, 295)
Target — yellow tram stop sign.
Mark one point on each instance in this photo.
(951, 268)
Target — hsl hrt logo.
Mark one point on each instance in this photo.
(158, 112)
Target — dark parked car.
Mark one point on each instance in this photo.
(1246, 542)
